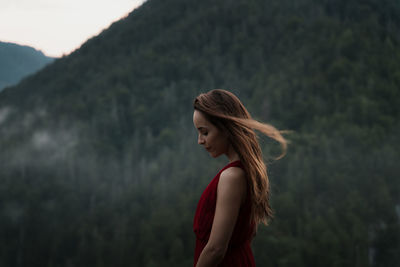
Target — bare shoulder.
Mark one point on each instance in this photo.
(233, 174)
(233, 178)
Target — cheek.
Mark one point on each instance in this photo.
(209, 139)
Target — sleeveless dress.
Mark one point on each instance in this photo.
(239, 253)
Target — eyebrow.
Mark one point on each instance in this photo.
(201, 128)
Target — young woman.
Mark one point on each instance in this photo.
(237, 199)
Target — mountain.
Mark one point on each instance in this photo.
(99, 164)
(17, 61)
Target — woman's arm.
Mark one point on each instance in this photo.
(231, 193)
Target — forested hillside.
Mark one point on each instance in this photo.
(99, 163)
(17, 61)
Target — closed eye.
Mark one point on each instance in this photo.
(203, 131)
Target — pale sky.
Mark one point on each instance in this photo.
(57, 27)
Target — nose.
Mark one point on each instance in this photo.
(200, 140)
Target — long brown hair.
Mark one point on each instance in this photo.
(227, 113)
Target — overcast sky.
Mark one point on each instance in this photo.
(58, 27)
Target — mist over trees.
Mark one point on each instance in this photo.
(99, 164)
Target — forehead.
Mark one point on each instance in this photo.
(200, 120)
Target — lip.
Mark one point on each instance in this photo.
(208, 148)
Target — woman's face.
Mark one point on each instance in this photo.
(213, 139)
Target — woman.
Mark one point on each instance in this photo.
(237, 199)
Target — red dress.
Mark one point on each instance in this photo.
(239, 251)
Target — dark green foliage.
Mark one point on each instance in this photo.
(99, 164)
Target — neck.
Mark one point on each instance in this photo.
(232, 155)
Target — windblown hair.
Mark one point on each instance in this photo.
(227, 113)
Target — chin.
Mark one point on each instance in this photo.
(214, 155)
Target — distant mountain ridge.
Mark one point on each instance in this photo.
(17, 61)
